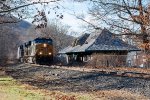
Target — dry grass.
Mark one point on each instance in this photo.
(89, 69)
(112, 69)
(98, 95)
(140, 70)
(43, 94)
(118, 95)
(51, 95)
(103, 68)
(11, 90)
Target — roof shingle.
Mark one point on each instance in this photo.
(102, 41)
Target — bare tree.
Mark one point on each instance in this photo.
(129, 17)
(23, 9)
(57, 31)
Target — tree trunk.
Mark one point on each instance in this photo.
(143, 28)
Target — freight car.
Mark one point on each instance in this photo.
(37, 51)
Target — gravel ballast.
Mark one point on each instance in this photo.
(66, 80)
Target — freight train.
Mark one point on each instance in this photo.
(37, 51)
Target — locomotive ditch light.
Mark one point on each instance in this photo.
(49, 53)
(45, 45)
(40, 53)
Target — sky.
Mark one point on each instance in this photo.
(69, 8)
(78, 9)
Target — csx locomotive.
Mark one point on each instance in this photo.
(39, 50)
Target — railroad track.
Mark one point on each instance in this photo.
(113, 72)
(119, 73)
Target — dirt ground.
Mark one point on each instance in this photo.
(96, 85)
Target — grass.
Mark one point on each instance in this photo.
(12, 90)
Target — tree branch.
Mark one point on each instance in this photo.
(129, 12)
(117, 5)
(127, 19)
(116, 25)
(33, 3)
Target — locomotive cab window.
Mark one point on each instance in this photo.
(49, 41)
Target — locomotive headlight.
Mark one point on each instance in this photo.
(45, 45)
(49, 53)
(40, 53)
